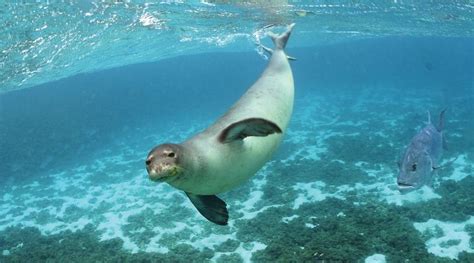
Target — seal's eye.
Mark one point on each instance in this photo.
(147, 162)
(171, 154)
(413, 167)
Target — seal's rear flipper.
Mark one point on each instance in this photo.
(280, 40)
(248, 127)
(211, 207)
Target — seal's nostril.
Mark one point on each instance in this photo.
(147, 162)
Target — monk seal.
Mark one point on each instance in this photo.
(236, 146)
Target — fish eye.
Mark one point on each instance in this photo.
(413, 167)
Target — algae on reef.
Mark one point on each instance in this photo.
(340, 232)
(84, 246)
(456, 204)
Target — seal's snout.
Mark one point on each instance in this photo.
(152, 168)
(163, 162)
(148, 163)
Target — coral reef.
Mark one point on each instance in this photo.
(335, 230)
(84, 246)
(456, 205)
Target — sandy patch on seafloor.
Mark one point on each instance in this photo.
(449, 238)
(376, 258)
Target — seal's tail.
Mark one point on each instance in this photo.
(281, 40)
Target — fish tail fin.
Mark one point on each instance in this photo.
(441, 120)
(281, 40)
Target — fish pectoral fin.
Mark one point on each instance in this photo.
(445, 164)
(248, 127)
(211, 207)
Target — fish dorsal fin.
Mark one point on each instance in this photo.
(211, 207)
(441, 120)
(248, 127)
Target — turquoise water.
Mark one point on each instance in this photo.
(87, 89)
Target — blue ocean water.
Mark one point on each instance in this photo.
(85, 98)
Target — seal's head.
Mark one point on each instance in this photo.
(163, 162)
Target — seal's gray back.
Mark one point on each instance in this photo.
(273, 87)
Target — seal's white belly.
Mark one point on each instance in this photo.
(223, 166)
(239, 164)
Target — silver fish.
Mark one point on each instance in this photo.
(422, 157)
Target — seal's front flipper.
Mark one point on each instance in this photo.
(248, 127)
(211, 207)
